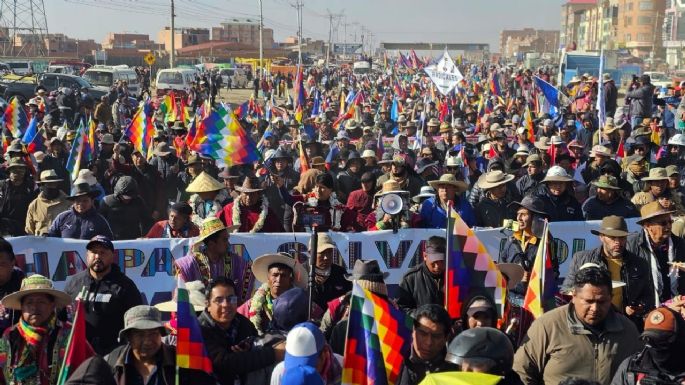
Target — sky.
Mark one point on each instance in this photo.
(440, 21)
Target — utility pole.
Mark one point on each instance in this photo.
(261, 41)
(172, 56)
(298, 6)
(330, 38)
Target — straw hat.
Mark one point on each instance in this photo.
(210, 226)
(196, 296)
(162, 149)
(391, 186)
(652, 210)
(204, 183)
(451, 180)
(369, 154)
(434, 122)
(260, 268)
(493, 179)
(36, 284)
(600, 150)
(250, 184)
(445, 128)
(542, 143)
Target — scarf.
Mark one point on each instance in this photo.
(32, 358)
(205, 268)
(261, 302)
(656, 273)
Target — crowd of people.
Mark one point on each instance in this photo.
(494, 157)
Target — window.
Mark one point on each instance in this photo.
(645, 5)
(645, 37)
(628, 37)
(627, 21)
(629, 6)
(644, 20)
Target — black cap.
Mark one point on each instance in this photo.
(100, 240)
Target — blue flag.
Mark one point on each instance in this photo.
(550, 92)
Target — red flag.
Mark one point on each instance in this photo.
(552, 152)
(78, 349)
(620, 151)
(493, 152)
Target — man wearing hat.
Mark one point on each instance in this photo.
(401, 172)
(193, 168)
(208, 197)
(82, 220)
(145, 358)
(361, 201)
(445, 142)
(641, 100)
(251, 212)
(526, 184)
(656, 187)
(178, 225)
(322, 208)
(448, 192)
(329, 278)
(47, 206)
(277, 273)
(494, 207)
(209, 256)
(557, 196)
(608, 201)
(168, 165)
(350, 178)
(34, 348)
(425, 283)
(16, 194)
(368, 275)
(660, 361)
(631, 299)
(109, 294)
(659, 247)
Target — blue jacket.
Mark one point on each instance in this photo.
(70, 224)
(433, 216)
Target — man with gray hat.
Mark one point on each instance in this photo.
(608, 201)
(632, 298)
(16, 193)
(47, 206)
(145, 359)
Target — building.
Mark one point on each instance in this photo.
(640, 27)
(115, 40)
(673, 33)
(527, 40)
(183, 37)
(571, 13)
(243, 31)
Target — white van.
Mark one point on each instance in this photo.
(22, 67)
(237, 75)
(177, 79)
(107, 76)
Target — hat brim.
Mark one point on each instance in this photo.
(367, 277)
(653, 179)
(654, 215)
(610, 232)
(50, 181)
(92, 194)
(417, 198)
(248, 190)
(514, 273)
(485, 185)
(143, 325)
(606, 186)
(555, 178)
(261, 265)
(162, 153)
(200, 239)
(171, 307)
(461, 186)
(13, 301)
(518, 204)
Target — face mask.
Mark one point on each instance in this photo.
(49, 192)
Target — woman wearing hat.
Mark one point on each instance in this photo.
(33, 350)
(251, 212)
(208, 197)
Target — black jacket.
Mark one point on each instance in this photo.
(128, 220)
(562, 208)
(14, 204)
(166, 368)
(335, 286)
(414, 369)
(229, 365)
(106, 302)
(348, 182)
(638, 245)
(528, 183)
(634, 272)
(492, 213)
(418, 287)
(594, 209)
(9, 317)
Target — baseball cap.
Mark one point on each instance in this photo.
(303, 345)
(301, 375)
(660, 321)
(100, 240)
(479, 305)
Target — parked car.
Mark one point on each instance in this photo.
(174, 79)
(24, 88)
(107, 76)
(22, 67)
(237, 75)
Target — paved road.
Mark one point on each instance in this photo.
(238, 96)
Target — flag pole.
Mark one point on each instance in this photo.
(312, 264)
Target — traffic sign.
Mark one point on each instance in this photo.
(149, 59)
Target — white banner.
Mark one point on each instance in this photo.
(149, 262)
(445, 74)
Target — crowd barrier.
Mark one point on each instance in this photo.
(149, 262)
